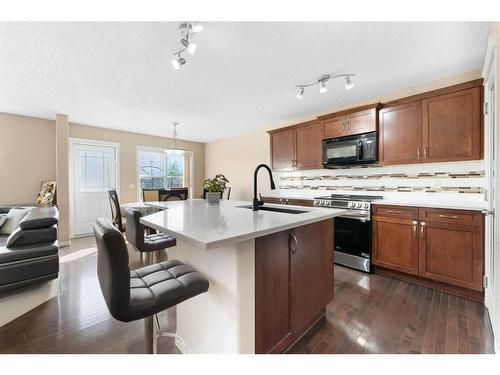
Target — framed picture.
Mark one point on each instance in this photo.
(47, 194)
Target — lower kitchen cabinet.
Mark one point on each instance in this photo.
(395, 243)
(294, 283)
(439, 245)
(452, 253)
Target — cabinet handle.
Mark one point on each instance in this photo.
(293, 249)
(418, 153)
(448, 216)
(393, 212)
(426, 152)
(422, 229)
(414, 229)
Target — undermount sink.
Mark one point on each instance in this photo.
(276, 209)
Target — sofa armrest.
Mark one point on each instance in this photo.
(31, 236)
(40, 217)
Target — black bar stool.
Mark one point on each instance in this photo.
(144, 292)
(146, 244)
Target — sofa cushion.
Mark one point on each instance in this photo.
(14, 218)
(31, 236)
(40, 217)
(3, 219)
(27, 252)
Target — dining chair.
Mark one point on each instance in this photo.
(116, 213)
(150, 195)
(177, 194)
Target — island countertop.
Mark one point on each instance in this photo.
(208, 226)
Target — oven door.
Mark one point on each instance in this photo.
(341, 152)
(352, 236)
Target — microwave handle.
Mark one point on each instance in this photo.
(360, 150)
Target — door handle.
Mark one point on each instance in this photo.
(422, 229)
(293, 249)
(415, 229)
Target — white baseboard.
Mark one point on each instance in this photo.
(64, 243)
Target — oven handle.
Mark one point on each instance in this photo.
(363, 219)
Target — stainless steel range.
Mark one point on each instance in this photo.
(352, 230)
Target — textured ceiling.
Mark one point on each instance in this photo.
(119, 75)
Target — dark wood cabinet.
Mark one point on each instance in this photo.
(297, 147)
(354, 121)
(308, 146)
(283, 150)
(451, 248)
(311, 273)
(441, 125)
(395, 243)
(451, 126)
(293, 283)
(400, 134)
(441, 245)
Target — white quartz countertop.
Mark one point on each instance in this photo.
(208, 226)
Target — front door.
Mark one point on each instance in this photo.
(94, 173)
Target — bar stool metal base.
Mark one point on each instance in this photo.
(152, 333)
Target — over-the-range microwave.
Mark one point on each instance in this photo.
(350, 150)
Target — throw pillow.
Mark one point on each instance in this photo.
(14, 217)
(3, 218)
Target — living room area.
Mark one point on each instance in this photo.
(57, 178)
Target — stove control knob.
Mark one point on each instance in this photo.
(366, 205)
(359, 205)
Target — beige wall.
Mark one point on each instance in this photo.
(236, 157)
(128, 155)
(27, 157)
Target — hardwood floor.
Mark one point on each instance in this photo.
(370, 314)
(376, 314)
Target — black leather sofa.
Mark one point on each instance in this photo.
(30, 254)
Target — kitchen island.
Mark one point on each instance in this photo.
(270, 273)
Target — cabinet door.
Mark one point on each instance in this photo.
(452, 253)
(311, 273)
(335, 127)
(309, 147)
(395, 243)
(273, 330)
(399, 134)
(283, 150)
(451, 126)
(362, 122)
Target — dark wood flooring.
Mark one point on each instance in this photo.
(377, 314)
(370, 314)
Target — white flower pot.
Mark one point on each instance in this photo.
(213, 197)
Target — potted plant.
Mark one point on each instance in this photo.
(214, 188)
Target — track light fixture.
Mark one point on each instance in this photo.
(300, 95)
(321, 81)
(178, 61)
(188, 30)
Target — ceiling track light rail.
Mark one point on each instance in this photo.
(321, 82)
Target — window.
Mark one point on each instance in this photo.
(158, 169)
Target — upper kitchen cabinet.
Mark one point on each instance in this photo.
(297, 147)
(283, 150)
(353, 121)
(436, 126)
(399, 133)
(451, 126)
(308, 145)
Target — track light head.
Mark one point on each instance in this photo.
(178, 62)
(348, 83)
(300, 95)
(322, 87)
(189, 46)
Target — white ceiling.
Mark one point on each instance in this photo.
(119, 75)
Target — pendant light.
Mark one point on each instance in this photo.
(174, 148)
